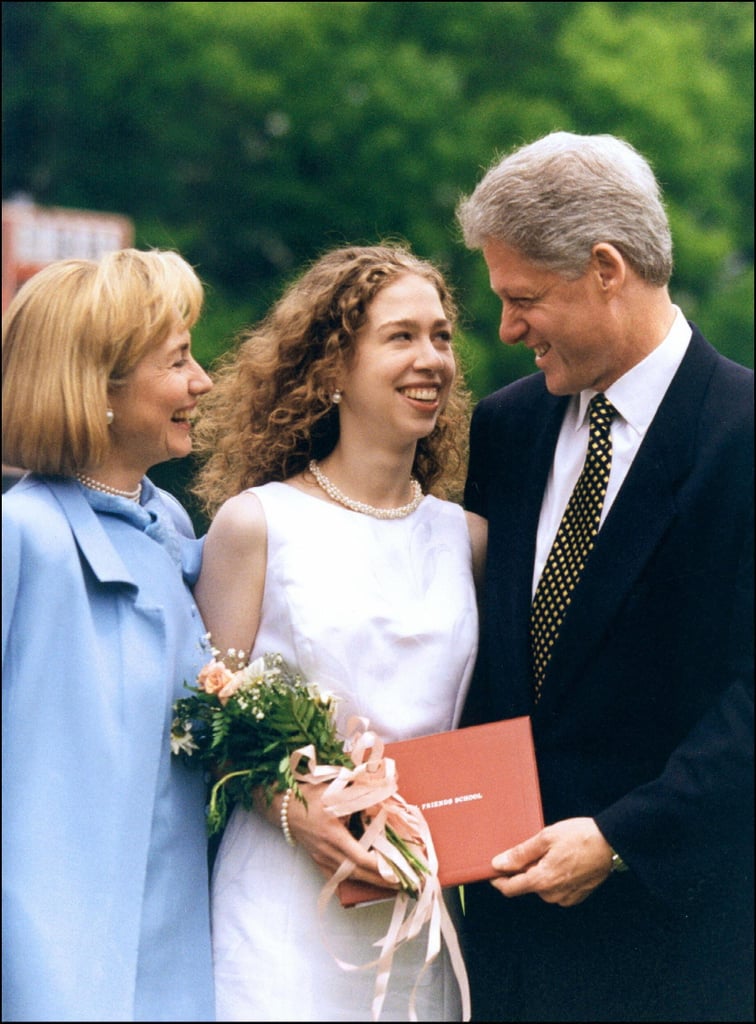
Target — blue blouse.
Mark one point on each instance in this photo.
(105, 888)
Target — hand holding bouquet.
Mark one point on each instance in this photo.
(255, 726)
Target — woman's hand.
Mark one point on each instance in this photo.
(325, 837)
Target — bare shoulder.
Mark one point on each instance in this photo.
(231, 583)
(239, 523)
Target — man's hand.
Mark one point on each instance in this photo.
(563, 863)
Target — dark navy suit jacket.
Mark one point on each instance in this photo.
(646, 717)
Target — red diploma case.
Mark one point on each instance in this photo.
(478, 791)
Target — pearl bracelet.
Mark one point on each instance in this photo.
(284, 818)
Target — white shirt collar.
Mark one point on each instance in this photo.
(637, 394)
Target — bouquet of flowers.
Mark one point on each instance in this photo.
(254, 724)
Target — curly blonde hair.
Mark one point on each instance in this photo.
(271, 410)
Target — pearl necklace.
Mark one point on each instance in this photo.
(359, 506)
(95, 485)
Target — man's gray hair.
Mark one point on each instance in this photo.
(554, 199)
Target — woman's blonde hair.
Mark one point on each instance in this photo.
(271, 408)
(73, 333)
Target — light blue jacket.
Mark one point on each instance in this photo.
(105, 889)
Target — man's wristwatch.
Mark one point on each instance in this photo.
(618, 863)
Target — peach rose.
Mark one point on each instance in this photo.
(233, 681)
(213, 677)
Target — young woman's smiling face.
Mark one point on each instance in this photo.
(403, 365)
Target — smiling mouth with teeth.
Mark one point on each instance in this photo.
(183, 417)
(421, 394)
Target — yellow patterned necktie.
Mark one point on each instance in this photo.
(573, 542)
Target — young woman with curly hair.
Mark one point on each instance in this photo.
(337, 429)
(272, 408)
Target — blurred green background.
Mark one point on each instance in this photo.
(252, 136)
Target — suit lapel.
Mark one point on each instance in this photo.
(93, 543)
(622, 549)
(517, 517)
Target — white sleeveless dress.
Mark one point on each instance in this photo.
(382, 613)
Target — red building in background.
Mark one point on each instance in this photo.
(34, 236)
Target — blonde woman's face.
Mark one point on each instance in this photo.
(153, 410)
(403, 366)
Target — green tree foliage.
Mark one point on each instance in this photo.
(252, 136)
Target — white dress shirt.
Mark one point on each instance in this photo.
(636, 396)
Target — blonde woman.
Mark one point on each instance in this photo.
(105, 910)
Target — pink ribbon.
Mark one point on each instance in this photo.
(371, 788)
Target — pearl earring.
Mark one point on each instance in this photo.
(336, 397)
(109, 416)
